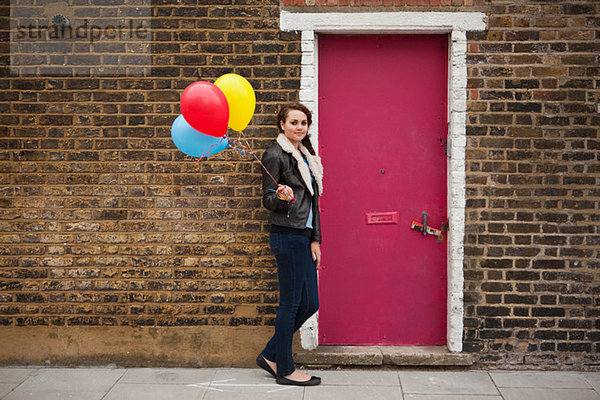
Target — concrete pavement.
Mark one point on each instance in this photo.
(42, 383)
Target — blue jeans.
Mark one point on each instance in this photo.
(298, 296)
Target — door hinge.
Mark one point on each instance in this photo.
(448, 145)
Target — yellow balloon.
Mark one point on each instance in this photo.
(241, 99)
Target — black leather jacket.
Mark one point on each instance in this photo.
(284, 169)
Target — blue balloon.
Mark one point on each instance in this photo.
(195, 143)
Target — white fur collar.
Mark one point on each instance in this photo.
(314, 163)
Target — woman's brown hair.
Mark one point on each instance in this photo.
(282, 116)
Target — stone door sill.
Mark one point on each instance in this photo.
(383, 355)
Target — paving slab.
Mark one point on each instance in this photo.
(53, 395)
(446, 382)
(243, 375)
(72, 380)
(548, 394)
(323, 392)
(244, 384)
(11, 378)
(450, 397)
(540, 379)
(6, 388)
(164, 391)
(593, 378)
(267, 391)
(253, 383)
(167, 375)
(16, 375)
(356, 377)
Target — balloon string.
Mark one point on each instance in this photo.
(207, 152)
(240, 147)
(260, 162)
(246, 149)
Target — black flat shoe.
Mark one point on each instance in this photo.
(313, 381)
(260, 361)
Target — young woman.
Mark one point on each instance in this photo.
(295, 237)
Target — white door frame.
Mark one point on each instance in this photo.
(456, 24)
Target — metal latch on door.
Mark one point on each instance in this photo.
(428, 230)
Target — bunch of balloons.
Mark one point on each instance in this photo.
(207, 110)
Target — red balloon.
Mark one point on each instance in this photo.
(204, 107)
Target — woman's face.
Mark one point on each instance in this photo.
(295, 126)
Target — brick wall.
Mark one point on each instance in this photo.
(103, 221)
(533, 170)
(104, 224)
(421, 5)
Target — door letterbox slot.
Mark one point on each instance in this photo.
(382, 218)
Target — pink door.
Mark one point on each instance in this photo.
(382, 136)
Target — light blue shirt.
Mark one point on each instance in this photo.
(310, 214)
